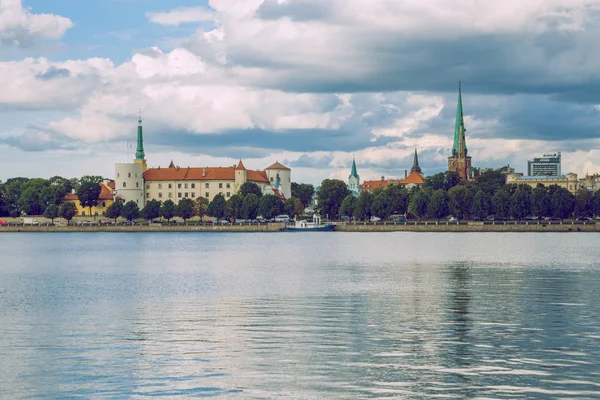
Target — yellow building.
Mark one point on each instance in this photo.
(568, 181)
(105, 200)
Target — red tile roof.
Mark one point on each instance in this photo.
(106, 193)
(278, 165)
(240, 166)
(111, 185)
(414, 178)
(201, 174)
(369, 185)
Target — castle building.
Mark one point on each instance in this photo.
(136, 182)
(460, 161)
(354, 180)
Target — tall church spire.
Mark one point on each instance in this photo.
(353, 173)
(139, 152)
(416, 167)
(459, 127)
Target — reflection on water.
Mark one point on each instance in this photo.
(299, 316)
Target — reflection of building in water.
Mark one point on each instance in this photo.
(459, 299)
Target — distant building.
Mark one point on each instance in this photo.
(506, 170)
(415, 178)
(136, 182)
(568, 181)
(548, 165)
(369, 186)
(590, 182)
(105, 200)
(354, 180)
(460, 161)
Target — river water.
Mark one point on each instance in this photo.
(300, 315)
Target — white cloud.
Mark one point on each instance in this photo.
(181, 15)
(19, 27)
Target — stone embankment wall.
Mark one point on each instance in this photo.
(469, 227)
(273, 227)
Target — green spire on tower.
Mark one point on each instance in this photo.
(139, 152)
(353, 173)
(459, 127)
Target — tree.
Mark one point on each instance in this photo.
(382, 206)
(362, 209)
(293, 207)
(31, 198)
(461, 199)
(443, 180)
(88, 194)
(419, 203)
(597, 203)
(501, 202)
(303, 192)
(12, 189)
(151, 210)
(201, 206)
(130, 210)
(90, 179)
(330, 197)
(270, 206)
(167, 210)
(540, 202)
(185, 209)
(234, 207)
(348, 205)
(520, 205)
(51, 212)
(218, 206)
(563, 203)
(438, 204)
(250, 187)
(482, 204)
(250, 206)
(399, 197)
(67, 211)
(490, 181)
(584, 203)
(114, 210)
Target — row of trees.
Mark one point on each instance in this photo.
(34, 196)
(444, 194)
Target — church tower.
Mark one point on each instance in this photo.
(354, 180)
(140, 156)
(460, 161)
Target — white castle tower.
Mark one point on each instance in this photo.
(285, 178)
(129, 177)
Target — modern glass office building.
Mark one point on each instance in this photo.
(548, 165)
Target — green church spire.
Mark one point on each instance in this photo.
(353, 173)
(139, 152)
(459, 127)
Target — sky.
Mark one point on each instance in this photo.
(310, 83)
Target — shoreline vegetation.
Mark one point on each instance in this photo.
(411, 226)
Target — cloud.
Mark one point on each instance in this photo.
(20, 28)
(181, 15)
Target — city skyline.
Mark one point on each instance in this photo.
(218, 82)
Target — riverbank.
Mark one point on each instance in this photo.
(430, 226)
(272, 227)
(433, 226)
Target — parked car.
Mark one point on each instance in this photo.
(224, 221)
(282, 218)
(586, 219)
(399, 219)
(15, 223)
(453, 219)
(552, 219)
(157, 221)
(242, 221)
(375, 219)
(531, 218)
(3, 222)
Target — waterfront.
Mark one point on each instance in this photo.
(344, 315)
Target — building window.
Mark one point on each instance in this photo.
(137, 201)
(160, 185)
(103, 204)
(193, 195)
(170, 186)
(228, 186)
(179, 186)
(179, 195)
(103, 213)
(137, 184)
(147, 195)
(96, 213)
(129, 175)
(136, 175)
(206, 185)
(228, 194)
(187, 194)
(160, 195)
(147, 186)
(124, 184)
(118, 175)
(220, 186)
(193, 186)
(185, 185)
(170, 195)
(83, 213)
(271, 179)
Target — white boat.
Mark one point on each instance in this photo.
(314, 226)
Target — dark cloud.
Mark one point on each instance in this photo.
(54, 73)
(311, 161)
(299, 10)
